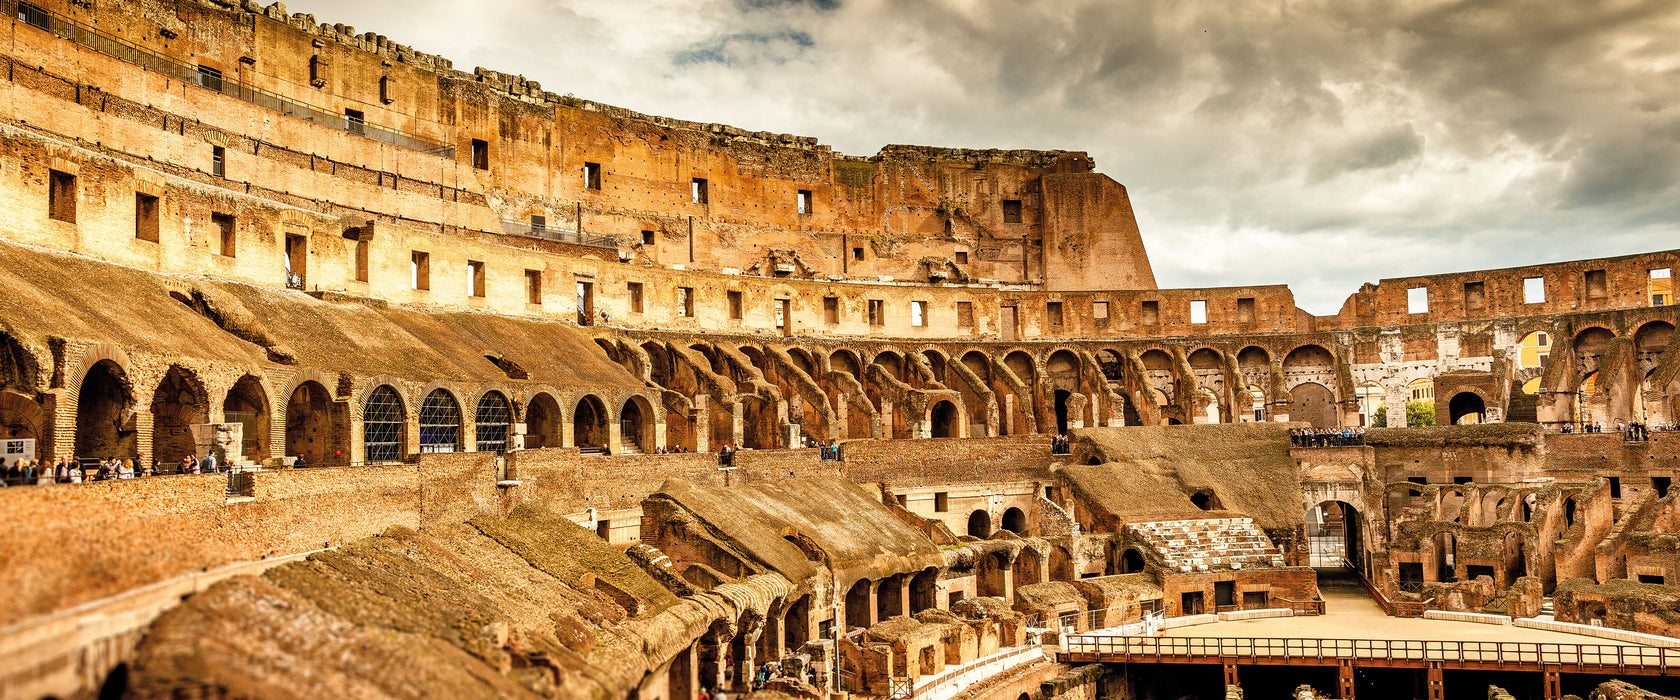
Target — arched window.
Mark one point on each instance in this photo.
(493, 419)
(382, 426)
(440, 422)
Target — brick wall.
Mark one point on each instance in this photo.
(947, 461)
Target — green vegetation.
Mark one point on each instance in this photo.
(1420, 414)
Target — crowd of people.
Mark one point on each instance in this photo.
(69, 470)
(1327, 437)
(1060, 445)
(1631, 431)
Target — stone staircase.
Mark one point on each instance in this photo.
(1521, 407)
(1211, 543)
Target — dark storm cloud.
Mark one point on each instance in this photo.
(1320, 143)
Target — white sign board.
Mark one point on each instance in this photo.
(14, 451)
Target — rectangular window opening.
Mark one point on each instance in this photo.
(918, 313)
(224, 225)
(1615, 486)
(1475, 295)
(210, 78)
(941, 502)
(592, 176)
(1534, 290)
(1198, 311)
(386, 95)
(831, 310)
(1099, 310)
(1651, 578)
(962, 257)
(1598, 284)
(647, 238)
(420, 270)
(1659, 286)
(685, 302)
(146, 217)
(635, 289)
(539, 223)
(475, 278)
(805, 201)
(533, 287)
(480, 154)
(1417, 300)
(1011, 211)
(1053, 313)
(586, 303)
(877, 312)
(61, 197)
(1151, 312)
(218, 161)
(354, 122)
(362, 246)
(698, 191)
(965, 314)
(1245, 310)
(736, 313)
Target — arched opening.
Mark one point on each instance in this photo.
(924, 590)
(889, 598)
(542, 422)
(178, 404)
(491, 419)
(980, 524)
(1593, 613)
(1333, 535)
(1015, 521)
(382, 426)
(440, 422)
(945, 421)
(857, 605)
(1061, 564)
(20, 417)
(247, 405)
(589, 425)
(1313, 403)
(990, 577)
(1131, 561)
(634, 425)
(1205, 499)
(103, 402)
(1026, 567)
(1569, 513)
(309, 431)
(1466, 408)
(796, 624)
(1062, 411)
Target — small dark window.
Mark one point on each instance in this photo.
(647, 238)
(354, 122)
(831, 310)
(218, 161)
(539, 223)
(533, 286)
(1011, 211)
(145, 217)
(685, 302)
(1418, 479)
(1245, 310)
(941, 502)
(805, 201)
(965, 314)
(603, 529)
(61, 197)
(877, 312)
(1462, 479)
(902, 500)
(1660, 483)
(420, 270)
(1615, 486)
(1475, 295)
(735, 311)
(592, 176)
(698, 191)
(635, 289)
(385, 92)
(1651, 578)
(480, 154)
(209, 78)
(962, 257)
(475, 278)
(1053, 313)
(1151, 313)
(857, 253)
(1598, 284)
(224, 223)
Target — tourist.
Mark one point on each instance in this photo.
(28, 472)
(125, 469)
(300, 463)
(208, 464)
(61, 470)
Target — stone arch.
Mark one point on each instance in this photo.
(1313, 403)
(179, 403)
(936, 362)
(1335, 532)
(1534, 349)
(1131, 561)
(311, 432)
(384, 420)
(543, 421)
(636, 424)
(945, 420)
(858, 608)
(104, 412)
(1014, 520)
(247, 404)
(844, 360)
(20, 417)
(924, 590)
(492, 417)
(980, 524)
(20, 370)
(1061, 564)
(96, 354)
(440, 421)
(991, 575)
(1466, 408)
(1206, 499)
(590, 421)
(1027, 567)
(1589, 344)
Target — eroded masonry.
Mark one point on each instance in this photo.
(520, 393)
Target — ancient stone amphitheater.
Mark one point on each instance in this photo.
(522, 397)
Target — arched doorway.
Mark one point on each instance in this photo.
(857, 605)
(440, 422)
(990, 576)
(1466, 408)
(944, 420)
(589, 424)
(20, 416)
(103, 402)
(924, 590)
(1015, 521)
(308, 425)
(1313, 403)
(1131, 562)
(889, 598)
(178, 404)
(542, 422)
(633, 425)
(247, 405)
(1061, 565)
(980, 524)
(382, 426)
(1027, 567)
(491, 419)
(1333, 536)
(1062, 411)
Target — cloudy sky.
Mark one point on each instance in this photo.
(1318, 143)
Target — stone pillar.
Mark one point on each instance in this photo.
(58, 425)
(739, 432)
(1009, 414)
(143, 431)
(1394, 404)
(411, 434)
(699, 416)
(615, 434)
(842, 416)
(884, 430)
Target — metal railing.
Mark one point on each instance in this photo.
(949, 681)
(520, 228)
(1301, 607)
(1447, 651)
(109, 45)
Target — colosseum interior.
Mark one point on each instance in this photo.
(522, 395)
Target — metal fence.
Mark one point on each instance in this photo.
(520, 228)
(109, 45)
(1457, 652)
